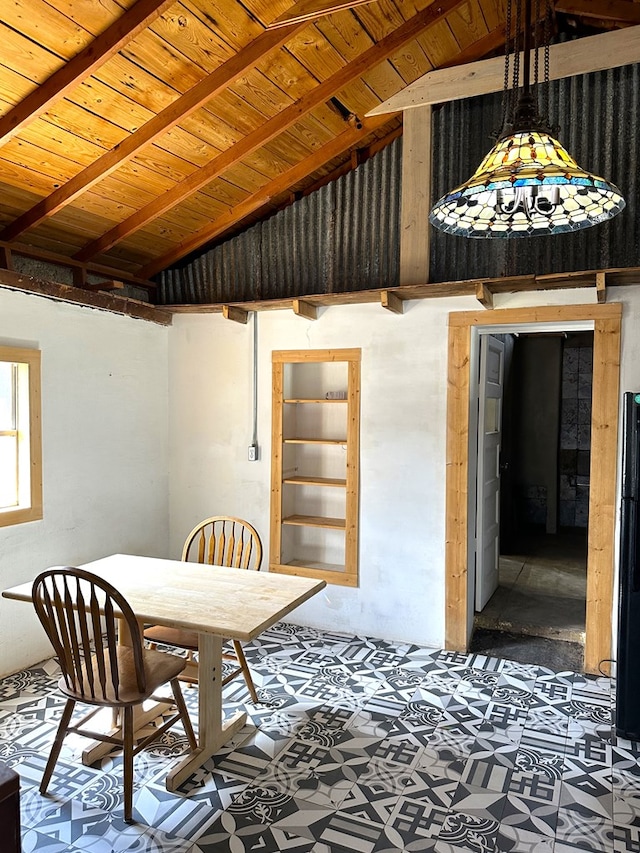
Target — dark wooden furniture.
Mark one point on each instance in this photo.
(219, 541)
(9, 810)
(80, 613)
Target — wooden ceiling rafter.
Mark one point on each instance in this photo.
(568, 59)
(619, 11)
(274, 127)
(337, 146)
(308, 10)
(107, 44)
(492, 41)
(183, 106)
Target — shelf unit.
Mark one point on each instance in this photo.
(315, 464)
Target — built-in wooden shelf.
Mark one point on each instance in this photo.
(315, 521)
(307, 538)
(316, 400)
(315, 481)
(312, 569)
(323, 567)
(337, 441)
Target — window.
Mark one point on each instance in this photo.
(20, 437)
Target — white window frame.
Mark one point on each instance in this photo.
(29, 506)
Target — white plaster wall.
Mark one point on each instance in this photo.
(403, 431)
(105, 450)
(402, 456)
(630, 354)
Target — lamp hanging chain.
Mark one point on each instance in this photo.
(547, 40)
(536, 43)
(516, 61)
(508, 48)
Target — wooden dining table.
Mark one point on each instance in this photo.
(217, 602)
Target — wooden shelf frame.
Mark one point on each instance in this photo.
(347, 574)
(315, 521)
(300, 480)
(337, 441)
(316, 400)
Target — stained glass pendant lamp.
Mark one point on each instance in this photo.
(528, 184)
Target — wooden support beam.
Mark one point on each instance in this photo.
(307, 10)
(305, 309)
(238, 315)
(275, 126)
(601, 286)
(107, 44)
(484, 295)
(79, 275)
(6, 261)
(620, 11)
(415, 229)
(274, 188)
(183, 106)
(580, 56)
(104, 285)
(616, 277)
(391, 302)
(79, 270)
(69, 293)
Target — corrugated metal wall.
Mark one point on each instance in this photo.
(343, 237)
(598, 119)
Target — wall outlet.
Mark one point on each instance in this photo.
(253, 453)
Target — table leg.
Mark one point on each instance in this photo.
(213, 732)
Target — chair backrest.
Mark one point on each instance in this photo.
(78, 611)
(224, 541)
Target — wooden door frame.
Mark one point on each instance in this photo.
(607, 320)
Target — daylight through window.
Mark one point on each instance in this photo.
(20, 439)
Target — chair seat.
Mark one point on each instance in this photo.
(159, 668)
(172, 637)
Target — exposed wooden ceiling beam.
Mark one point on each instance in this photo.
(102, 48)
(620, 11)
(79, 270)
(379, 52)
(336, 147)
(177, 111)
(69, 293)
(307, 10)
(580, 56)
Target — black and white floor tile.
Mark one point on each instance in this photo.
(357, 745)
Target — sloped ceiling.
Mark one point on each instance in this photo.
(133, 133)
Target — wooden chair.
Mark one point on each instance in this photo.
(219, 541)
(79, 611)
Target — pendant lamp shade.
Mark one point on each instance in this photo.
(526, 185)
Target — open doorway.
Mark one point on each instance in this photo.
(537, 609)
(464, 326)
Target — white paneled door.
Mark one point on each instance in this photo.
(488, 478)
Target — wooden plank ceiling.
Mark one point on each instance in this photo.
(133, 133)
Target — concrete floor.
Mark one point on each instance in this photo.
(541, 594)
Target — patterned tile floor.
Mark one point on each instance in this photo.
(358, 745)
